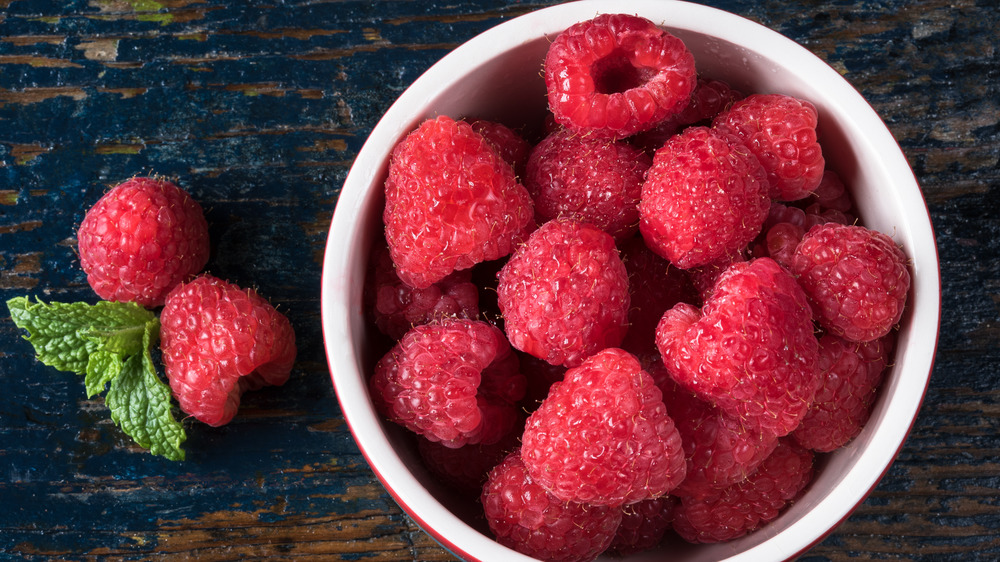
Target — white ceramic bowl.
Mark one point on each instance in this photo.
(496, 75)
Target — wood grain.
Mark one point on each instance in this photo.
(258, 108)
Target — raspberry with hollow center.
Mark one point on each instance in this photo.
(455, 381)
(523, 516)
(856, 278)
(564, 293)
(587, 178)
(750, 349)
(616, 75)
(603, 435)
(141, 239)
(704, 199)
(450, 202)
(219, 340)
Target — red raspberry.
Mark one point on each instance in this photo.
(455, 381)
(141, 239)
(750, 350)
(851, 373)
(654, 287)
(744, 507)
(564, 293)
(709, 98)
(398, 307)
(219, 340)
(451, 202)
(705, 198)
(523, 516)
(781, 131)
(616, 75)
(509, 145)
(830, 195)
(603, 435)
(856, 279)
(466, 467)
(587, 178)
(720, 450)
(643, 525)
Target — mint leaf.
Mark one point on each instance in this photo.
(65, 334)
(109, 344)
(140, 404)
(102, 368)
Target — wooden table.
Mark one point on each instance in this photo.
(258, 108)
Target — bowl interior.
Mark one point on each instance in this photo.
(497, 75)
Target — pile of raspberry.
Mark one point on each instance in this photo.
(643, 326)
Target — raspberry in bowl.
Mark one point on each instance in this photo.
(498, 77)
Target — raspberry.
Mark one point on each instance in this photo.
(451, 202)
(831, 194)
(709, 98)
(786, 225)
(654, 286)
(750, 350)
(398, 307)
(141, 239)
(564, 293)
(781, 131)
(705, 198)
(523, 516)
(603, 435)
(720, 451)
(587, 178)
(507, 143)
(643, 525)
(616, 75)
(744, 507)
(466, 467)
(851, 373)
(219, 340)
(856, 279)
(455, 381)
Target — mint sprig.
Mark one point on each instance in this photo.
(110, 344)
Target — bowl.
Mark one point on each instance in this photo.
(496, 75)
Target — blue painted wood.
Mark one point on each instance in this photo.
(257, 108)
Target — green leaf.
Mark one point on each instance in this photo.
(102, 368)
(65, 334)
(140, 403)
(109, 343)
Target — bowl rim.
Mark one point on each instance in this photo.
(339, 317)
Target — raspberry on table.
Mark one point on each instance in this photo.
(746, 506)
(523, 516)
(617, 75)
(219, 340)
(643, 525)
(588, 178)
(856, 278)
(397, 307)
(453, 380)
(781, 131)
(704, 199)
(720, 449)
(851, 373)
(450, 202)
(603, 435)
(141, 239)
(564, 293)
(750, 350)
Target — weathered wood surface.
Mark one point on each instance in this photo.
(258, 108)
